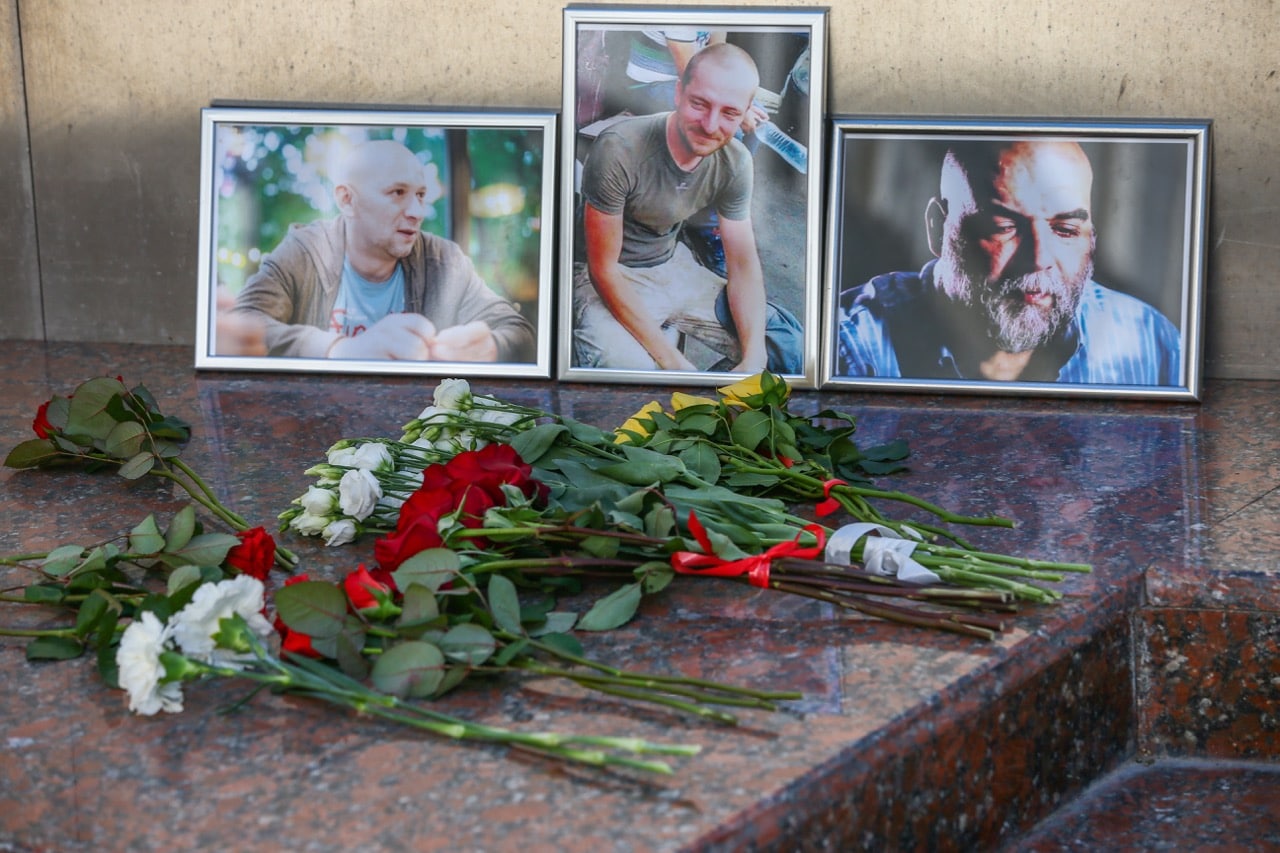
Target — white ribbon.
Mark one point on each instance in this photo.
(888, 554)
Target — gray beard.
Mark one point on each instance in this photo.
(1012, 324)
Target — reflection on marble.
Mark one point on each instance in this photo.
(905, 738)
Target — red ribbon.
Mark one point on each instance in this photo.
(830, 505)
(756, 567)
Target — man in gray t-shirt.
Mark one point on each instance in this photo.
(640, 286)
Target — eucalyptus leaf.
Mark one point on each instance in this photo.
(419, 607)
(612, 611)
(350, 660)
(409, 670)
(510, 652)
(504, 604)
(453, 676)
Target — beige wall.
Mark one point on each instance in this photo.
(113, 92)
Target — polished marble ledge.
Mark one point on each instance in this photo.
(1172, 503)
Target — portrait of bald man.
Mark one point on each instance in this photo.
(369, 283)
(1009, 293)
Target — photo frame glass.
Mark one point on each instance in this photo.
(691, 186)
(1016, 257)
(376, 241)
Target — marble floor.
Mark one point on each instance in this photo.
(1154, 680)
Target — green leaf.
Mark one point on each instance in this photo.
(468, 643)
(588, 433)
(703, 461)
(751, 428)
(654, 576)
(504, 604)
(138, 466)
(54, 648)
(350, 660)
(510, 651)
(432, 568)
(315, 608)
(91, 610)
(146, 538)
(453, 676)
(532, 444)
(207, 549)
(409, 670)
(563, 643)
(126, 439)
(43, 593)
(62, 560)
(89, 410)
(612, 611)
(181, 528)
(31, 454)
(644, 467)
(419, 608)
(352, 633)
(182, 576)
(556, 622)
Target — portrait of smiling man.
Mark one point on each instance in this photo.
(639, 289)
(371, 284)
(1010, 294)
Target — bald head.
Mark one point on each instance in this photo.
(1013, 230)
(371, 162)
(728, 59)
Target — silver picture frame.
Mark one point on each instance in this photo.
(486, 205)
(617, 68)
(903, 309)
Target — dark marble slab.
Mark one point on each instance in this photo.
(905, 738)
(1169, 805)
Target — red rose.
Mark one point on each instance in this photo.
(254, 555)
(366, 591)
(490, 468)
(41, 424)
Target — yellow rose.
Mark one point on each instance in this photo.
(637, 425)
(754, 391)
(681, 400)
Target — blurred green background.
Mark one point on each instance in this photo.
(484, 193)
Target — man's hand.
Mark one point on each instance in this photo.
(403, 337)
(237, 334)
(468, 342)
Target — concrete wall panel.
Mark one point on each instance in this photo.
(114, 91)
(20, 283)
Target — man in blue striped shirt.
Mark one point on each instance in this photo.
(1010, 295)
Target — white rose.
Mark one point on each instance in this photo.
(340, 532)
(318, 501)
(373, 456)
(358, 493)
(308, 524)
(452, 394)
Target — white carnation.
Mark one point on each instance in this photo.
(340, 532)
(194, 626)
(138, 659)
(358, 493)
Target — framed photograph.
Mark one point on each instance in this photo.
(375, 241)
(691, 193)
(999, 256)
